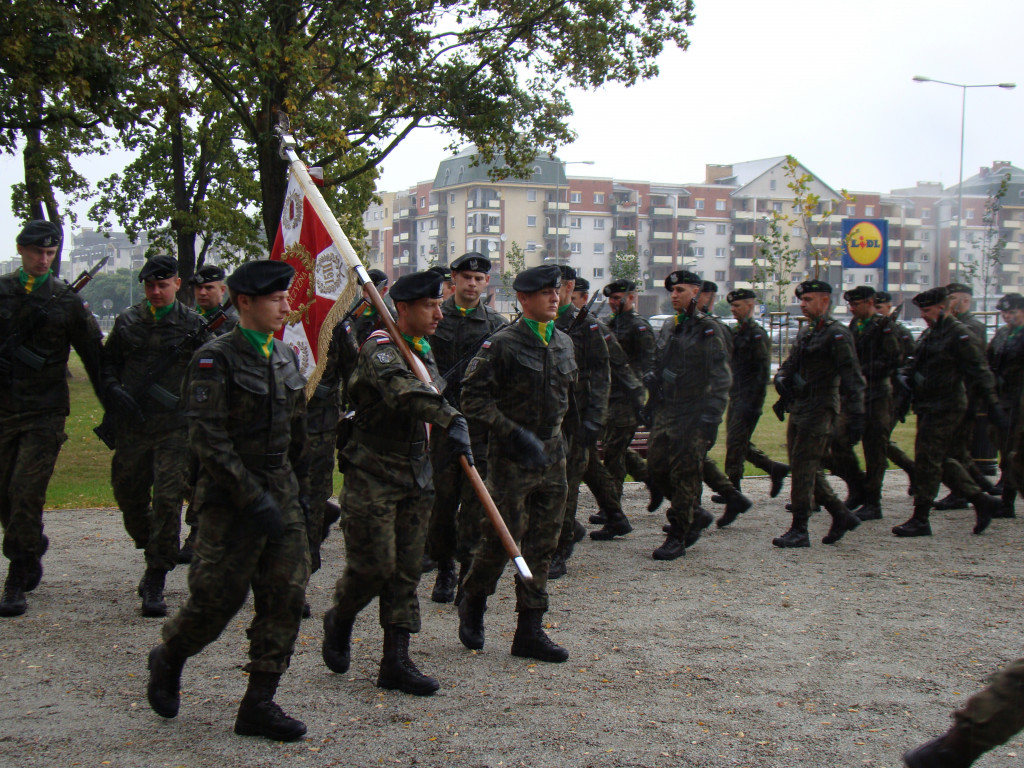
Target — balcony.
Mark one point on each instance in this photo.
(661, 259)
(905, 243)
(404, 213)
(492, 229)
(434, 207)
(495, 203)
(476, 204)
(404, 237)
(1011, 267)
(743, 284)
(686, 213)
(624, 208)
(743, 262)
(661, 210)
(1012, 246)
(553, 231)
(688, 237)
(1009, 288)
(1013, 224)
(553, 206)
(744, 215)
(655, 235)
(623, 233)
(740, 239)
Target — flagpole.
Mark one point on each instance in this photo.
(348, 253)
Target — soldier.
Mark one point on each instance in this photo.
(689, 389)
(945, 356)
(518, 385)
(455, 518)
(1006, 359)
(580, 292)
(40, 319)
(208, 284)
(144, 361)
(447, 275)
(751, 367)
(821, 368)
(883, 303)
(880, 354)
(389, 491)
(706, 298)
(365, 318)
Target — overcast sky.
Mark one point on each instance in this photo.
(828, 82)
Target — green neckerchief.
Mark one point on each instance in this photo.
(862, 324)
(161, 312)
(563, 310)
(680, 317)
(30, 282)
(542, 329)
(207, 312)
(370, 311)
(419, 343)
(261, 342)
(464, 310)
(1014, 330)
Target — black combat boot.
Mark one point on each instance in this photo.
(617, 525)
(599, 517)
(952, 749)
(579, 532)
(778, 474)
(336, 646)
(187, 550)
(259, 714)
(557, 568)
(985, 508)
(871, 510)
(531, 642)
(950, 501)
(917, 525)
(332, 514)
(673, 546)
(34, 568)
(701, 520)
(796, 536)
(657, 497)
(855, 496)
(151, 590)
(1008, 496)
(445, 583)
(471, 621)
(843, 520)
(427, 564)
(397, 671)
(999, 487)
(163, 690)
(13, 602)
(735, 505)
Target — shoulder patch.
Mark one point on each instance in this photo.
(383, 341)
(642, 328)
(385, 356)
(205, 363)
(472, 365)
(486, 344)
(201, 393)
(594, 327)
(964, 337)
(709, 332)
(838, 336)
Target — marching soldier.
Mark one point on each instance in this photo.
(209, 287)
(41, 318)
(365, 319)
(518, 385)
(455, 519)
(1006, 359)
(690, 392)
(945, 359)
(246, 407)
(821, 368)
(448, 276)
(883, 303)
(389, 490)
(144, 361)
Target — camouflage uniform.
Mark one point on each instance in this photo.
(389, 488)
(893, 452)
(517, 381)
(1006, 359)
(247, 423)
(751, 365)
(151, 458)
(972, 444)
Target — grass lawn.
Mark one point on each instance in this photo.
(82, 477)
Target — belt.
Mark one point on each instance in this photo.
(264, 460)
(376, 442)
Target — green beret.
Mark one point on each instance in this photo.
(261, 277)
(417, 285)
(378, 277)
(568, 273)
(708, 287)
(537, 279)
(159, 268)
(1010, 301)
(444, 272)
(582, 284)
(882, 297)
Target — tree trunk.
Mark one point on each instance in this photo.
(185, 236)
(41, 199)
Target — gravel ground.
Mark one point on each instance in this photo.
(738, 654)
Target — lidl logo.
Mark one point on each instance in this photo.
(865, 243)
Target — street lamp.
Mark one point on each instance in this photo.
(963, 115)
(558, 209)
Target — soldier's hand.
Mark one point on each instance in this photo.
(458, 439)
(591, 432)
(781, 386)
(265, 515)
(527, 449)
(999, 419)
(854, 428)
(651, 381)
(124, 405)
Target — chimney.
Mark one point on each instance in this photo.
(998, 165)
(713, 173)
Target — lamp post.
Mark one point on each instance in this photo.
(963, 117)
(558, 209)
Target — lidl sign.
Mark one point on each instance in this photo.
(865, 243)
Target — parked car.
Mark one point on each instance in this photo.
(916, 329)
(658, 320)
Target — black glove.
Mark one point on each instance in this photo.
(124, 405)
(854, 428)
(708, 430)
(591, 431)
(782, 387)
(527, 449)
(265, 515)
(651, 381)
(458, 439)
(997, 416)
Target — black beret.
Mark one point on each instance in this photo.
(582, 284)
(538, 278)
(471, 262)
(622, 285)
(708, 287)
(882, 297)
(159, 268)
(444, 272)
(45, 234)
(740, 294)
(1010, 301)
(208, 273)
(683, 276)
(813, 286)
(568, 273)
(960, 288)
(417, 285)
(932, 297)
(261, 277)
(378, 277)
(860, 293)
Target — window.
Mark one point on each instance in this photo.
(639, 225)
(423, 226)
(720, 229)
(423, 202)
(531, 195)
(451, 197)
(926, 213)
(798, 231)
(851, 210)
(869, 210)
(599, 197)
(575, 248)
(777, 207)
(531, 245)
(923, 257)
(598, 223)
(698, 251)
(599, 248)
(720, 254)
(772, 184)
(925, 279)
(970, 215)
(699, 204)
(926, 236)
(719, 275)
(719, 205)
(452, 249)
(452, 224)
(423, 250)
(575, 197)
(575, 222)
(869, 278)
(598, 272)
(531, 221)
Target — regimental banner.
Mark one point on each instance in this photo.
(320, 274)
(865, 243)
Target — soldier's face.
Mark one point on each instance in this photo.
(160, 293)
(469, 286)
(862, 309)
(541, 305)
(420, 317)
(932, 314)
(682, 296)
(884, 307)
(742, 308)
(1013, 317)
(35, 259)
(210, 295)
(815, 305)
(565, 292)
(447, 289)
(580, 298)
(705, 301)
(621, 302)
(959, 302)
(265, 314)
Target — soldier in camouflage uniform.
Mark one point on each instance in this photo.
(821, 367)
(689, 397)
(33, 373)
(1006, 359)
(246, 407)
(519, 385)
(364, 314)
(946, 357)
(389, 490)
(880, 354)
(883, 303)
(144, 361)
(455, 519)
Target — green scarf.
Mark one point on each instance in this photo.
(161, 312)
(419, 343)
(680, 317)
(261, 342)
(544, 330)
(563, 310)
(30, 282)
(464, 310)
(370, 311)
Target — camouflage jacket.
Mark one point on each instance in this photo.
(879, 352)
(457, 340)
(821, 368)
(945, 359)
(693, 368)
(38, 379)
(750, 364)
(636, 338)
(590, 392)
(323, 410)
(1006, 359)
(228, 324)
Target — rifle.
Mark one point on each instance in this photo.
(14, 346)
(582, 313)
(107, 429)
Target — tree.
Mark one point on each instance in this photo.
(625, 264)
(515, 262)
(986, 267)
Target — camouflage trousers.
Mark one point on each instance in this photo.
(620, 460)
(877, 429)
(601, 484)
(676, 456)
(230, 557)
(993, 715)
(532, 503)
(577, 458)
(28, 453)
(321, 488)
(152, 467)
(935, 448)
(740, 424)
(385, 532)
(455, 518)
(808, 438)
